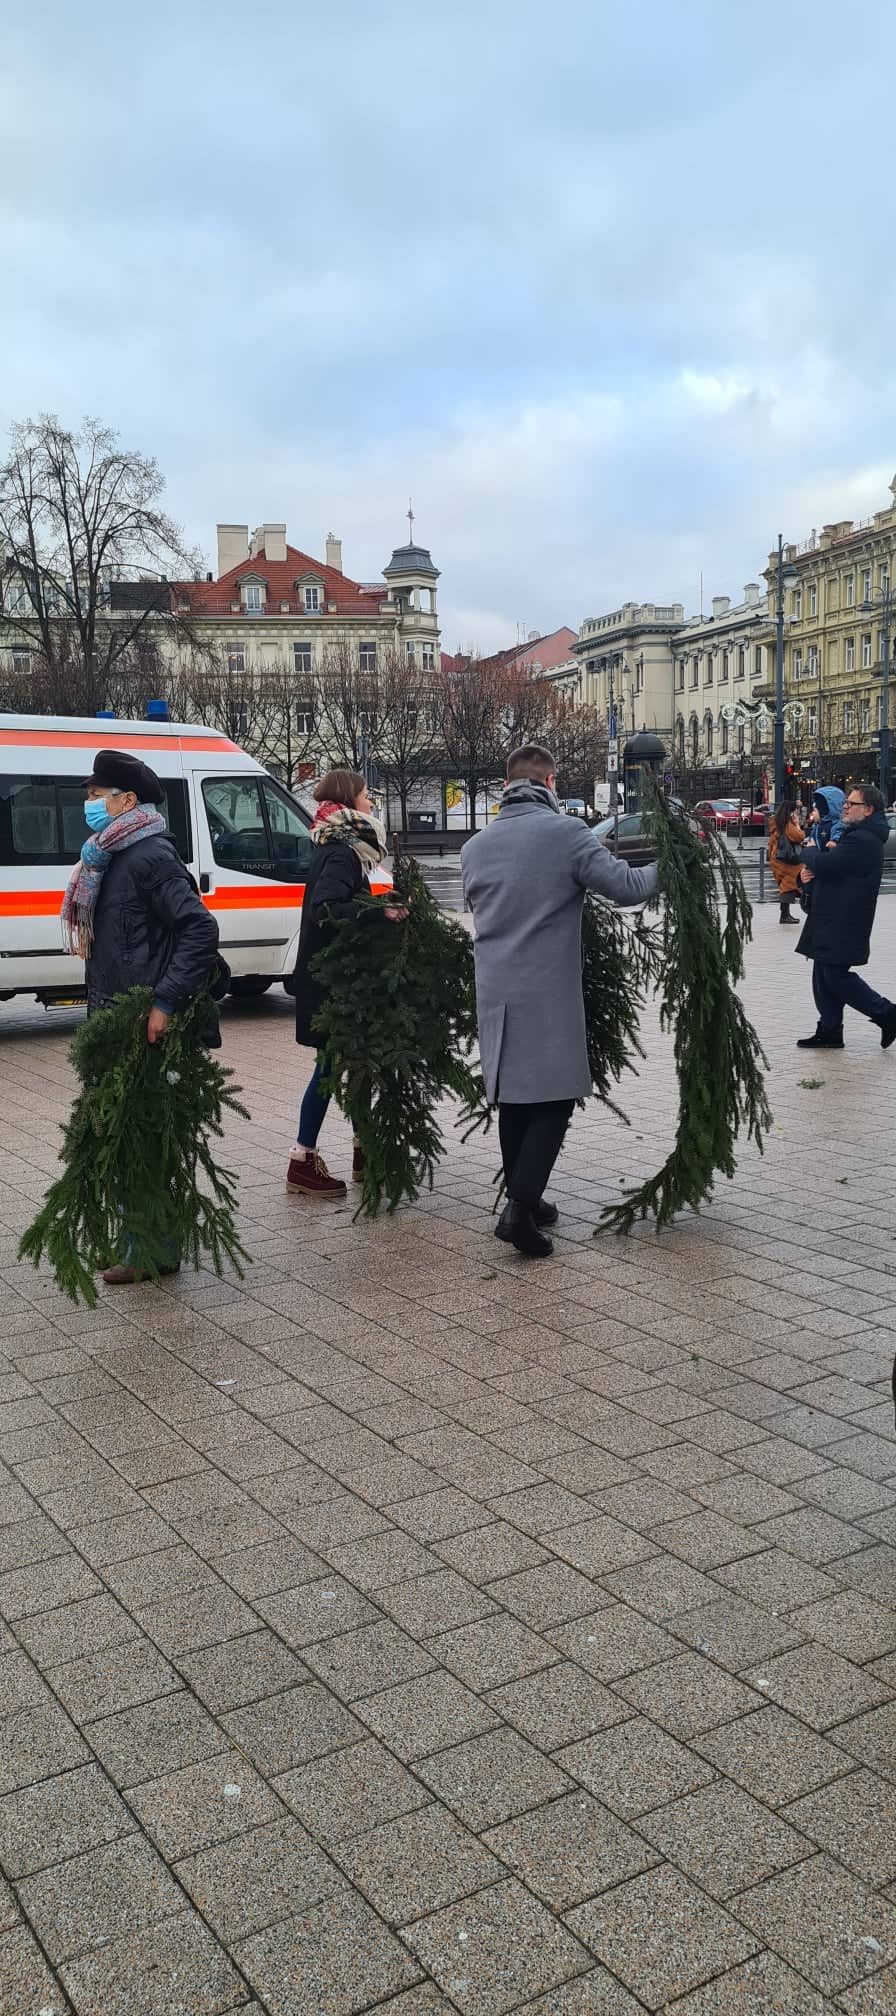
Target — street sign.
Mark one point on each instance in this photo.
(613, 764)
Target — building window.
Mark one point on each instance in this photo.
(865, 717)
(681, 675)
(429, 657)
(236, 658)
(252, 597)
(813, 721)
(724, 732)
(367, 657)
(866, 584)
(695, 740)
(850, 591)
(707, 734)
(742, 662)
(411, 651)
(740, 740)
(304, 717)
(21, 661)
(813, 599)
(301, 654)
(312, 600)
(880, 710)
(866, 650)
(757, 661)
(849, 717)
(797, 663)
(710, 668)
(812, 662)
(849, 654)
(724, 668)
(797, 604)
(885, 579)
(695, 671)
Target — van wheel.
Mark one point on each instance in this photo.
(247, 985)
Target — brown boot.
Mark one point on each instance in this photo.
(308, 1176)
(121, 1276)
(357, 1162)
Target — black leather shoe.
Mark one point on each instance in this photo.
(517, 1227)
(543, 1214)
(888, 1030)
(823, 1039)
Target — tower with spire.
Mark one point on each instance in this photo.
(412, 576)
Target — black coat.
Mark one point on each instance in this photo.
(837, 931)
(150, 928)
(332, 888)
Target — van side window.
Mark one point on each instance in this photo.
(256, 828)
(42, 820)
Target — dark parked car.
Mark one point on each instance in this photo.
(634, 846)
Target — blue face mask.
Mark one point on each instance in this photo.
(97, 814)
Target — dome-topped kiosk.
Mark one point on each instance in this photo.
(412, 575)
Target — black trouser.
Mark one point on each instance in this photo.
(531, 1139)
(835, 987)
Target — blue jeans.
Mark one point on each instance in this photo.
(836, 988)
(312, 1112)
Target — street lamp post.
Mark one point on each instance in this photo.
(782, 580)
(883, 603)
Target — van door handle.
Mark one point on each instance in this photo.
(205, 882)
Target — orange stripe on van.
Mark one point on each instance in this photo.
(70, 738)
(231, 896)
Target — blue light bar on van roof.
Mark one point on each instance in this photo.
(105, 714)
(157, 710)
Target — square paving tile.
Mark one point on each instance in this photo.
(343, 1795)
(26, 1980)
(252, 1880)
(492, 1777)
(546, 1596)
(614, 1641)
(383, 1557)
(379, 1655)
(494, 1948)
(761, 1987)
(600, 1544)
(661, 1588)
(688, 1694)
(561, 1704)
(635, 1767)
(427, 1714)
(570, 1849)
(854, 1819)
(773, 1756)
(157, 1736)
(173, 1969)
(872, 1738)
(94, 1897)
(851, 1624)
(203, 1804)
(823, 1922)
(876, 1997)
(661, 1936)
(290, 1728)
(493, 1650)
(818, 1686)
(417, 1864)
(724, 1840)
(337, 1957)
(490, 1551)
(316, 1611)
(242, 1670)
(436, 1602)
(736, 1633)
(64, 1816)
(35, 1743)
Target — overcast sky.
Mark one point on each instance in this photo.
(609, 290)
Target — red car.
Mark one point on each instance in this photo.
(731, 815)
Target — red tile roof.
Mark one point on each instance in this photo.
(213, 598)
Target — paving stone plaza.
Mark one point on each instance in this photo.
(410, 1628)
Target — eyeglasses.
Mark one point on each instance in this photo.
(856, 804)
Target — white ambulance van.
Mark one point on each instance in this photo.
(242, 835)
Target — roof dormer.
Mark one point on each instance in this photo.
(253, 590)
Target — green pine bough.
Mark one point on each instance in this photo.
(396, 1031)
(141, 1178)
(696, 960)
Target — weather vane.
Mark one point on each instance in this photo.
(410, 516)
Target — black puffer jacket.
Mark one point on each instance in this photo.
(332, 888)
(150, 928)
(837, 931)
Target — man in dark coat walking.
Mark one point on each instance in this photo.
(133, 913)
(845, 877)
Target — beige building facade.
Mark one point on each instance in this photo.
(685, 679)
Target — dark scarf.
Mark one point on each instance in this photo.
(524, 791)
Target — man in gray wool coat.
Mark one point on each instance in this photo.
(525, 878)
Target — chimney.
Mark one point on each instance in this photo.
(751, 594)
(720, 605)
(334, 552)
(233, 547)
(268, 543)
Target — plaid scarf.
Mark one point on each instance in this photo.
(81, 896)
(360, 830)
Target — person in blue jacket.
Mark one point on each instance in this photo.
(844, 878)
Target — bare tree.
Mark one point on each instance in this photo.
(578, 736)
(79, 517)
(352, 701)
(472, 700)
(407, 743)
